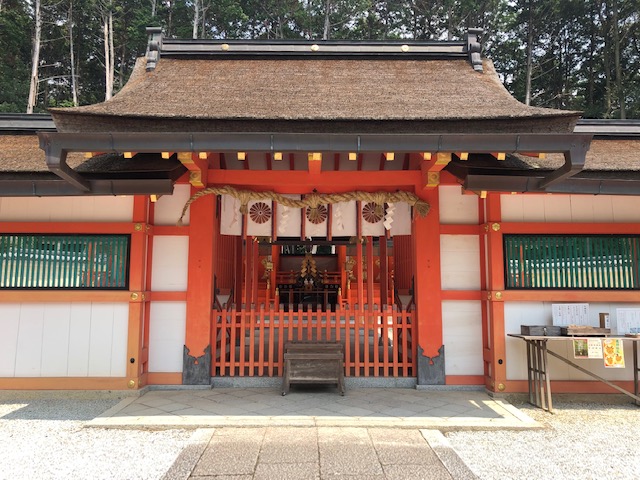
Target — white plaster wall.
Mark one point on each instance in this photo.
(570, 208)
(168, 208)
(456, 208)
(462, 336)
(67, 209)
(539, 313)
(170, 263)
(460, 262)
(167, 330)
(63, 340)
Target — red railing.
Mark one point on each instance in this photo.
(250, 342)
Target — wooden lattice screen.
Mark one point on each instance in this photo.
(602, 262)
(64, 261)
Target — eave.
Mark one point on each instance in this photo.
(55, 186)
(57, 145)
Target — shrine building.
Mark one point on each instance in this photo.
(238, 195)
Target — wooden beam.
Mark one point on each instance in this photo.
(315, 163)
(325, 181)
(541, 156)
(198, 168)
(64, 383)
(430, 169)
(64, 296)
(63, 227)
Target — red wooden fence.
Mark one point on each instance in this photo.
(250, 342)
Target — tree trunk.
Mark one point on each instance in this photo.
(605, 22)
(196, 14)
(123, 66)
(616, 58)
(153, 8)
(112, 53)
(35, 58)
(529, 70)
(74, 84)
(109, 62)
(203, 20)
(327, 20)
(591, 62)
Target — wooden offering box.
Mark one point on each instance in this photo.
(585, 331)
(540, 330)
(313, 362)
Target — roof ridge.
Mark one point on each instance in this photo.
(469, 48)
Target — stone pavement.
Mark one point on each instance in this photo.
(314, 433)
(300, 453)
(314, 406)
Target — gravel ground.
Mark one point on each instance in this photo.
(45, 439)
(582, 440)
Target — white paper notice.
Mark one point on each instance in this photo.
(628, 320)
(564, 314)
(594, 346)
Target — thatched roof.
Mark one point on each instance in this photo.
(603, 155)
(317, 95)
(21, 153)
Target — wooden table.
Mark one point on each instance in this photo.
(538, 368)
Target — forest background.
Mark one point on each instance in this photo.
(570, 54)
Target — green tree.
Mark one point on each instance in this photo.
(15, 55)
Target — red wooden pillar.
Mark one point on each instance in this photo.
(275, 260)
(427, 292)
(495, 349)
(137, 291)
(341, 250)
(197, 350)
(249, 267)
(238, 250)
(370, 274)
(359, 274)
(255, 262)
(384, 271)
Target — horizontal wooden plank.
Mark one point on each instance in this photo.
(51, 296)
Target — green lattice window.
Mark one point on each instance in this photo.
(64, 261)
(600, 262)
